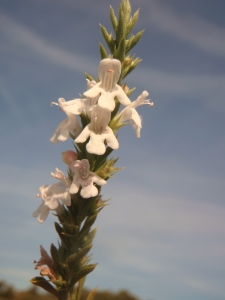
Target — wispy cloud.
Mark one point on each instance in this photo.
(208, 88)
(21, 35)
(201, 33)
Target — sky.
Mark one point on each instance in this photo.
(163, 235)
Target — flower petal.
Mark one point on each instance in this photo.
(98, 180)
(74, 186)
(96, 144)
(89, 191)
(41, 213)
(111, 140)
(84, 135)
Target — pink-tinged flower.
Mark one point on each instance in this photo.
(99, 132)
(71, 124)
(46, 260)
(69, 156)
(107, 88)
(130, 113)
(51, 194)
(49, 273)
(85, 178)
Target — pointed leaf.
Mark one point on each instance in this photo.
(88, 223)
(107, 37)
(55, 258)
(91, 296)
(75, 259)
(133, 66)
(43, 283)
(131, 91)
(113, 19)
(81, 273)
(120, 51)
(121, 28)
(134, 40)
(88, 76)
(88, 239)
(59, 230)
(102, 158)
(126, 8)
(70, 228)
(103, 52)
(79, 288)
(133, 21)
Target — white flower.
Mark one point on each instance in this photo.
(42, 211)
(51, 194)
(130, 113)
(85, 178)
(91, 101)
(88, 102)
(71, 108)
(107, 87)
(99, 132)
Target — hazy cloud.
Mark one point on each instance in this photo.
(21, 35)
(201, 33)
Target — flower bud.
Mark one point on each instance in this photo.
(69, 156)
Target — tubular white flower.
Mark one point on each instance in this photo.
(107, 87)
(51, 194)
(71, 108)
(42, 212)
(99, 132)
(85, 178)
(130, 113)
(100, 118)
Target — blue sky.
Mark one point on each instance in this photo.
(163, 235)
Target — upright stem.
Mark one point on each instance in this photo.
(69, 263)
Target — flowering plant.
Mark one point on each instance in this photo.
(92, 122)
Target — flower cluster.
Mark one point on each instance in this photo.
(97, 103)
(92, 121)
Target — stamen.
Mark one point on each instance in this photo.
(54, 103)
(108, 80)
